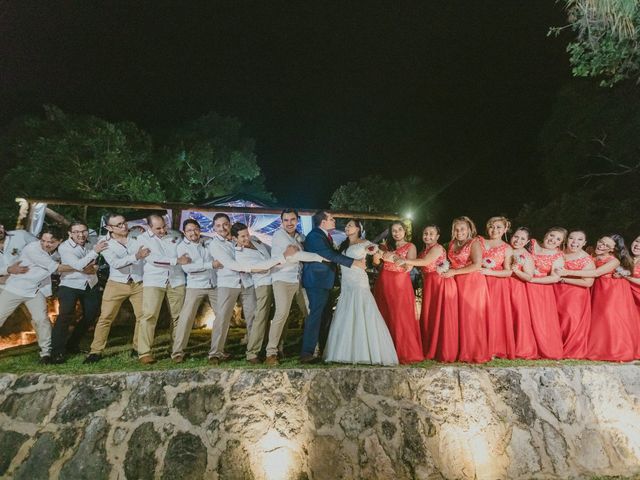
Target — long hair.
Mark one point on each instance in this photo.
(389, 241)
(464, 219)
(345, 243)
(621, 252)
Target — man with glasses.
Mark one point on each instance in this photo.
(80, 284)
(125, 257)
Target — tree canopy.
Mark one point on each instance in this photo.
(71, 156)
(607, 42)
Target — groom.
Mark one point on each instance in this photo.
(318, 280)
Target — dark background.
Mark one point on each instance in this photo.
(453, 91)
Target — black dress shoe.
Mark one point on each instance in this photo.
(92, 358)
(57, 359)
(309, 359)
(46, 360)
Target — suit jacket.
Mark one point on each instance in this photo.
(322, 275)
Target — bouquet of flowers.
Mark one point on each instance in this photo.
(372, 249)
(443, 266)
(622, 272)
(488, 263)
(521, 259)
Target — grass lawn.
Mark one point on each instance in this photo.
(25, 359)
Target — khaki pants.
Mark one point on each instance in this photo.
(114, 294)
(227, 298)
(264, 297)
(37, 307)
(192, 301)
(283, 294)
(152, 298)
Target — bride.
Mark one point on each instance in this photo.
(358, 333)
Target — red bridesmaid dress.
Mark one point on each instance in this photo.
(501, 339)
(614, 319)
(574, 311)
(525, 339)
(397, 304)
(635, 288)
(543, 308)
(439, 314)
(472, 307)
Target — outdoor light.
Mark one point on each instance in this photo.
(409, 215)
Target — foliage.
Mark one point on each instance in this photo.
(61, 155)
(607, 44)
(76, 156)
(208, 158)
(590, 161)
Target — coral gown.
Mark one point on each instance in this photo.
(472, 307)
(501, 339)
(574, 311)
(394, 295)
(544, 311)
(439, 314)
(526, 346)
(614, 319)
(635, 289)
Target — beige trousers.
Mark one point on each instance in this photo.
(264, 297)
(37, 307)
(192, 301)
(114, 294)
(283, 294)
(152, 298)
(227, 298)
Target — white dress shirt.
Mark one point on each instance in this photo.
(290, 271)
(14, 242)
(260, 253)
(224, 251)
(77, 257)
(161, 267)
(38, 279)
(200, 272)
(123, 264)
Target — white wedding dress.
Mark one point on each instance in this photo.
(358, 333)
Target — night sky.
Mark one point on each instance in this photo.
(330, 90)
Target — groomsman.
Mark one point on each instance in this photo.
(11, 245)
(201, 284)
(286, 280)
(125, 257)
(162, 278)
(80, 284)
(32, 287)
(230, 285)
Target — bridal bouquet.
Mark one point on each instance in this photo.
(372, 249)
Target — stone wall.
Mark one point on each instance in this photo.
(339, 423)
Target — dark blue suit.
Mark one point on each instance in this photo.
(318, 280)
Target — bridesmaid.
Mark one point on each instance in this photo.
(573, 297)
(496, 267)
(465, 255)
(634, 278)
(394, 295)
(542, 300)
(439, 314)
(614, 317)
(522, 268)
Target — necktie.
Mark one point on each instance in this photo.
(330, 239)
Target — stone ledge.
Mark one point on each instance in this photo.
(452, 422)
